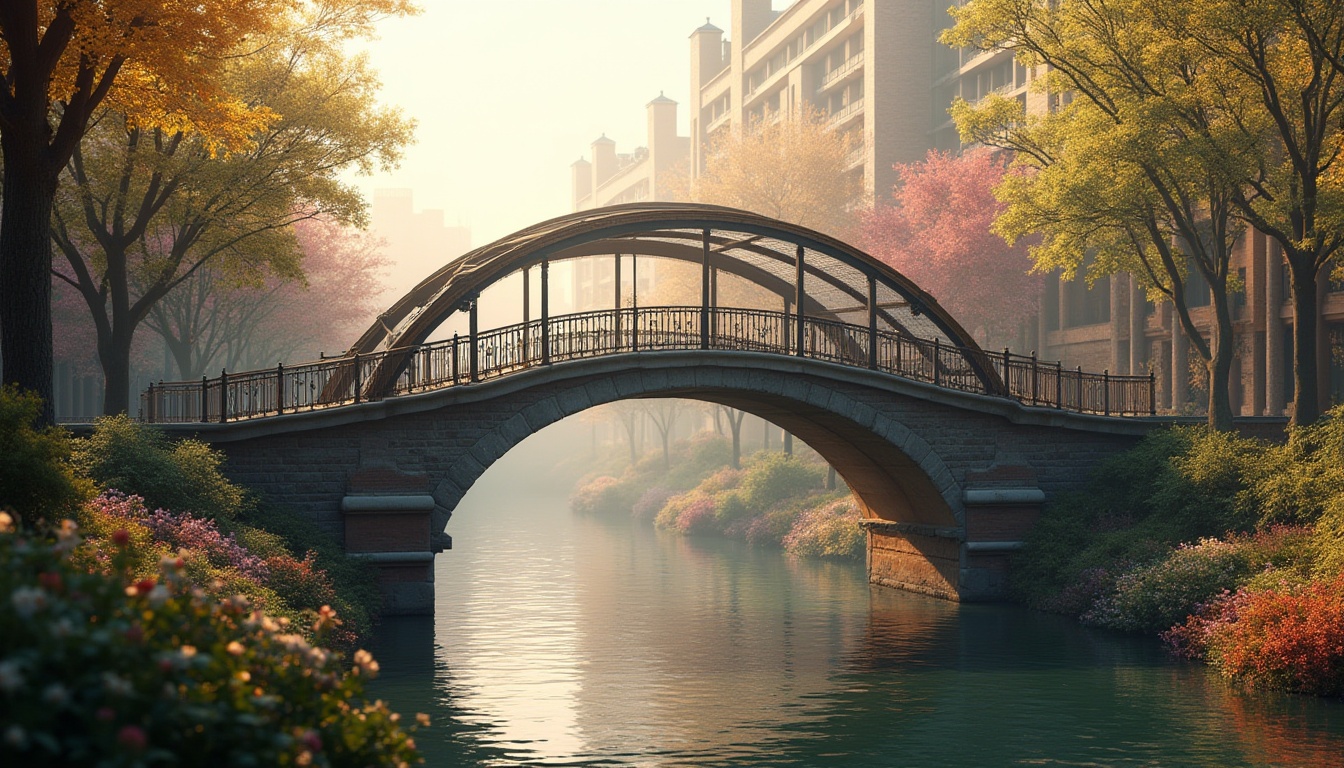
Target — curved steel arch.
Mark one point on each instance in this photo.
(411, 320)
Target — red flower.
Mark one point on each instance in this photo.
(132, 737)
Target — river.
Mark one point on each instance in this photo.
(565, 640)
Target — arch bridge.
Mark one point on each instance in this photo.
(949, 449)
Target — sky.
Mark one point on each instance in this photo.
(508, 94)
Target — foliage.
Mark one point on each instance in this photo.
(112, 668)
(938, 233)
(829, 530)
(791, 169)
(145, 208)
(183, 476)
(770, 478)
(1153, 597)
(602, 495)
(35, 474)
(1281, 638)
(216, 319)
(1189, 119)
(649, 503)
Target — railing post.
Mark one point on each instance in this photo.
(1106, 392)
(223, 395)
(1007, 386)
(359, 378)
(1059, 385)
(1079, 377)
(800, 315)
(452, 364)
(545, 320)
(205, 398)
(704, 293)
(279, 388)
(1152, 393)
(473, 338)
(634, 302)
(616, 281)
(872, 322)
(1035, 379)
(937, 358)
(149, 404)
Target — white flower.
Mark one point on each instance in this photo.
(62, 628)
(28, 600)
(365, 663)
(117, 685)
(67, 538)
(158, 596)
(6, 522)
(56, 695)
(11, 679)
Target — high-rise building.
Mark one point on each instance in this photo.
(417, 242)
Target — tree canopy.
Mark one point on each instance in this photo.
(1197, 117)
(792, 168)
(146, 209)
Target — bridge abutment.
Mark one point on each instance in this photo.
(388, 521)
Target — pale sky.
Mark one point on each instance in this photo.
(509, 93)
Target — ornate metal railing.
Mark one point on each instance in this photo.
(463, 360)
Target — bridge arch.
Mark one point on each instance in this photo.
(813, 276)
(894, 473)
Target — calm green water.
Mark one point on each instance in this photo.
(562, 640)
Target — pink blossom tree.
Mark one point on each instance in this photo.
(937, 232)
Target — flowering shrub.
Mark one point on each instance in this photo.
(1289, 638)
(1155, 596)
(828, 530)
(110, 668)
(652, 500)
(604, 495)
(35, 474)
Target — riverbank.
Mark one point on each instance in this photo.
(774, 500)
(1229, 549)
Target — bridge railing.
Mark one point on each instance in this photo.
(462, 360)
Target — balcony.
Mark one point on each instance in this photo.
(845, 114)
(841, 73)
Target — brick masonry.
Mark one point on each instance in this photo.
(910, 451)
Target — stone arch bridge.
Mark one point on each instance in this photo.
(950, 450)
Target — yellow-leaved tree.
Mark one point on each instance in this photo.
(792, 169)
(162, 64)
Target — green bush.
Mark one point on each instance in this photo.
(111, 668)
(829, 529)
(1176, 485)
(183, 476)
(1328, 540)
(1298, 480)
(770, 478)
(36, 477)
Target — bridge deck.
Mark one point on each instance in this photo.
(461, 361)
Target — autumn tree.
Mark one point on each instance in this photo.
(1225, 109)
(212, 321)
(61, 61)
(147, 208)
(938, 232)
(792, 169)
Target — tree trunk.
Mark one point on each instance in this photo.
(114, 353)
(630, 437)
(735, 424)
(25, 271)
(1306, 395)
(1220, 365)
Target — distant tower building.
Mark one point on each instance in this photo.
(658, 171)
(418, 242)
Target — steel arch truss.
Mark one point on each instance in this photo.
(816, 278)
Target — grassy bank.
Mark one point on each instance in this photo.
(1230, 549)
(774, 500)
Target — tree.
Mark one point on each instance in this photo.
(734, 418)
(938, 232)
(211, 321)
(1124, 175)
(147, 209)
(60, 62)
(1253, 93)
(792, 169)
(664, 412)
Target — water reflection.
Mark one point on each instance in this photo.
(570, 641)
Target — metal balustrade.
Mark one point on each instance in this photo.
(462, 360)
